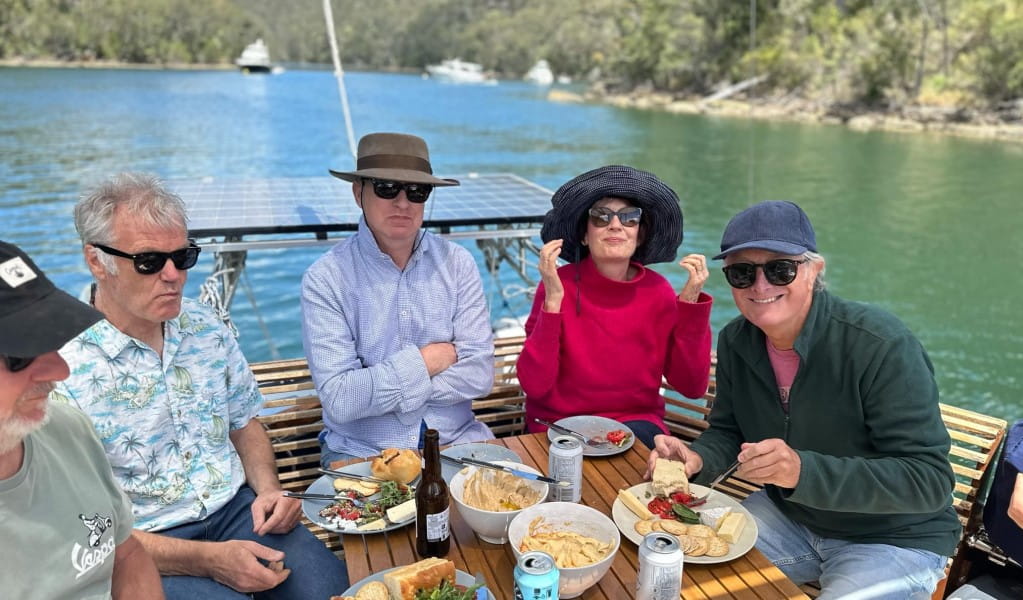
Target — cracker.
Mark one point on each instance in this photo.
(657, 525)
(703, 531)
(717, 547)
(674, 527)
(698, 546)
(643, 527)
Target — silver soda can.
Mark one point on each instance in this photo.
(660, 567)
(536, 577)
(566, 464)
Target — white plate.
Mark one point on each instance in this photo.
(461, 578)
(325, 485)
(477, 450)
(589, 426)
(626, 520)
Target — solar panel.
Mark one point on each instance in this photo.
(323, 204)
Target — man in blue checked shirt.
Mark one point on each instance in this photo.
(394, 321)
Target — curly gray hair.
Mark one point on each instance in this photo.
(142, 194)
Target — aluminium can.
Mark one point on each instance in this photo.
(566, 464)
(660, 567)
(536, 577)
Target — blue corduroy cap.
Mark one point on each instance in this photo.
(777, 226)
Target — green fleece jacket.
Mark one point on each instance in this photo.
(863, 417)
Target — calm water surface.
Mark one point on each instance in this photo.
(923, 225)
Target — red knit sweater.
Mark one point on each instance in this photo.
(608, 359)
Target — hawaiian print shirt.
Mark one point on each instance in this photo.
(164, 422)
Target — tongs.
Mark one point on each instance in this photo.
(593, 442)
(516, 472)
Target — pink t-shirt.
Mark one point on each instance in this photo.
(785, 364)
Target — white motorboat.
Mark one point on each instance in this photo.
(540, 73)
(456, 70)
(255, 58)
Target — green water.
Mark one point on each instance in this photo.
(924, 225)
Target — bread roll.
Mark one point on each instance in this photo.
(404, 582)
(396, 465)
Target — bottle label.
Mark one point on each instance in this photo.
(437, 526)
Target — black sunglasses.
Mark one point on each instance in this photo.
(601, 216)
(149, 263)
(389, 190)
(781, 271)
(16, 363)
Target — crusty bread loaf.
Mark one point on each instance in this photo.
(669, 476)
(404, 582)
(396, 465)
(373, 590)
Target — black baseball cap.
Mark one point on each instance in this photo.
(776, 226)
(35, 316)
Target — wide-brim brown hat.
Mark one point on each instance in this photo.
(662, 213)
(394, 157)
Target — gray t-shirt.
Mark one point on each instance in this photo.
(62, 515)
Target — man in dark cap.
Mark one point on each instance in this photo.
(394, 321)
(65, 525)
(831, 406)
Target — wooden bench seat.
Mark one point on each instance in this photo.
(297, 420)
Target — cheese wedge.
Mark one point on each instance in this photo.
(376, 525)
(732, 526)
(634, 504)
(403, 512)
(715, 516)
(366, 488)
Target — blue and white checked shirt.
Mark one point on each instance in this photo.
(165, 421)
(363, 322)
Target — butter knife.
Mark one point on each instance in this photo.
(516, 472)
(724, 475)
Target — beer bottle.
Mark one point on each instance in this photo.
(433, 536)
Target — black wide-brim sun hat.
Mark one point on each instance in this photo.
(662, 213)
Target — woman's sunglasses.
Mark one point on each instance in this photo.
(15, 363)
(149, 263)
(389, 190)
(601, 216)
(781, 271)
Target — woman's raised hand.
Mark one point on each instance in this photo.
(553, 289)
(696, 264)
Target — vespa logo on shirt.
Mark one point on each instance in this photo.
(86, 559)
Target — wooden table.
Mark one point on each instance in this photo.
(750, 576)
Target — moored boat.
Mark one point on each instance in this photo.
(456, 70)
(255, 58)
(540, 73)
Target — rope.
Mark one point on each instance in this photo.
(339, 73)
(210, 294)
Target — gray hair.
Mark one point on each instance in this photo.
(818, 284)
(142, 194)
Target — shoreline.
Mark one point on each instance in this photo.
(958, 122)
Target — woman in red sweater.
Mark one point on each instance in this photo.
(604, 329)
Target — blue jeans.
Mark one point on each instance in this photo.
(327, 455)
(315, 571)
(845, 569)
(644, 431)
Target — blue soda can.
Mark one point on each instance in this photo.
(536, 577)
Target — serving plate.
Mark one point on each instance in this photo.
(591, 425)
(325, 485)
(461, 578)
(626, 521)
(477, 450)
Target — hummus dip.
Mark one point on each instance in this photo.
(498, 491)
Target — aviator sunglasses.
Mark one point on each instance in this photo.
(781, 271)
(416, 193)
(629, 217)
(16, 363)
(149, 263)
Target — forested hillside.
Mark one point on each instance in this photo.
(870, 52)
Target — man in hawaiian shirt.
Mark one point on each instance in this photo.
(174, 403)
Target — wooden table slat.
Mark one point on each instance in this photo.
(748, 577)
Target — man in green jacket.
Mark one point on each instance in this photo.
(832, 406)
